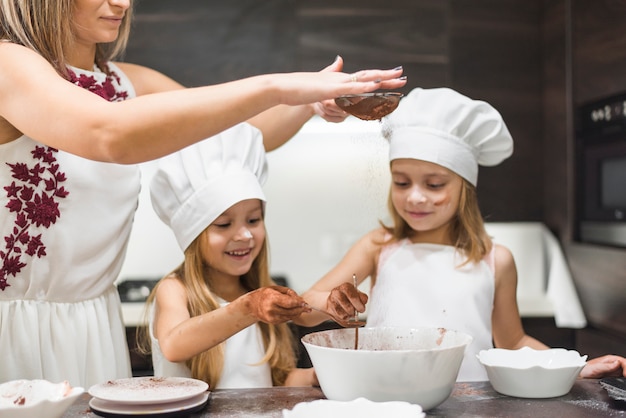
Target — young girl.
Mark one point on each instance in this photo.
(435, 265)
(73, 123)
(219, 317)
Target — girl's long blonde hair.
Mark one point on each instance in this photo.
(467, 227)
(278, 339)
(46, 27)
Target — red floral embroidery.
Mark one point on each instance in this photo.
(32, 196)
(106, 90)
(34, 193)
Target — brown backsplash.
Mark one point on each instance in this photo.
(534, 60)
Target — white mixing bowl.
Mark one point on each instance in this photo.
(419, 366)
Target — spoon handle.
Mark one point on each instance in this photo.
(356, 313)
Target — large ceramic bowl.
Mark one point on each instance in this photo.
(36, 398)
(528, 373)
(419, 366)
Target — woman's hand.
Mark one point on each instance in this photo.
(609, 365)
(345, 300)
(328, 109)
(324, 86)
(274, 304)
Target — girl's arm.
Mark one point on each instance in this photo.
(334, 292)
(302, 377)
(41, 104)
(507, 328)
(181, 336)
(507, 325)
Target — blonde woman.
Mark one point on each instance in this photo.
(219, 317)
(73, 125)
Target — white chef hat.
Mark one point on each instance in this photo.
(446, 128)
(194, 186)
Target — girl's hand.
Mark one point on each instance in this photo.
(274, 304)
(609, 365)
(344, 300)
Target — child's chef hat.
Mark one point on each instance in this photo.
(446, 128)
(194, 186)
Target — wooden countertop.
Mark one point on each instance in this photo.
(586, 399)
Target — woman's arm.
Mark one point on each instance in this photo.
(182, 336)
(507, 328)
(41, 104)
(334, 292)
(280, 123)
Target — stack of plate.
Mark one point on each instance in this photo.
(163, 397)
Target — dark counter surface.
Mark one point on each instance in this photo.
(586, 399)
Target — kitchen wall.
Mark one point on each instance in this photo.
(439, 43)
(534, 60)
(584, 60)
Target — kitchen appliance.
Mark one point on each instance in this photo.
(601, 170)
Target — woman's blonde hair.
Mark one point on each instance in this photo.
(46, 27)
(278, 339)
(467, 228)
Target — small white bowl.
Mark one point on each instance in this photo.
(529, 373)
(36, 398)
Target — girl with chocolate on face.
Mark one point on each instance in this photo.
(435, 265)
(219, 317)
(73, 126)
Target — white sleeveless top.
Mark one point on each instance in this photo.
(242, 353)
(68, 219)
(417, 285)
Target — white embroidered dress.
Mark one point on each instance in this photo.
(65, 223)
(417, 285)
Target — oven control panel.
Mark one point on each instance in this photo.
(603, 117)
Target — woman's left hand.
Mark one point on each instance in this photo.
(609, 365)
(328, 109)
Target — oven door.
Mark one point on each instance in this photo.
(603, 203)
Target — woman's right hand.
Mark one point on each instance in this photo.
(344, 300)
(305, 88)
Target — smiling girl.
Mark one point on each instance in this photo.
(219, 317)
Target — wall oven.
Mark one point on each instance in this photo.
(601, 172)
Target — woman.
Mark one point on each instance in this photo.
(73, 124)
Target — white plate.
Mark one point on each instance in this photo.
(148, 390)
(106, 408)
(360, 407)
